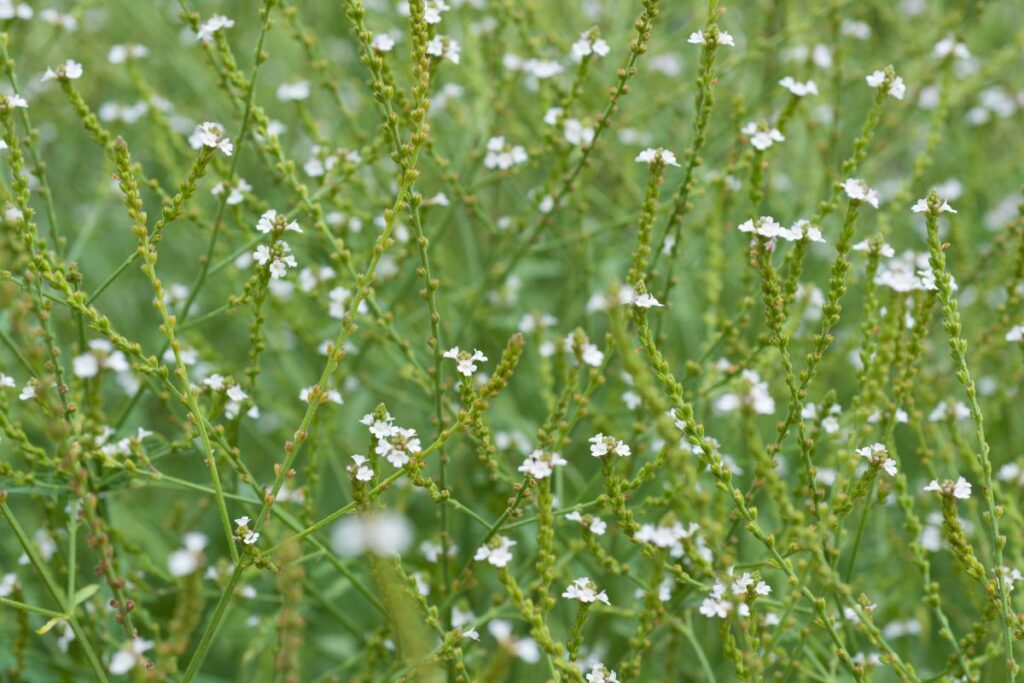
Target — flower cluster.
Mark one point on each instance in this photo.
(395, 444)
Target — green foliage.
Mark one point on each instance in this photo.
(514, 340)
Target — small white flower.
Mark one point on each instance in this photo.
(1015, 334)
(28, 391)
(897, 88)
(360, 469)
(766, 226)
(961, 488)
(646, 301)
(599, 673)
(588, 45)
(68, 71)
(382, 42)
(921, 206)
(503, 156)
(797, 88)
(540, 464)
(293, 92)
(211, 134)
(269, 222)
(878, 455)
(433, 9)
(659, 155)
(119, 54)
(186, 560)
(498, 552)
(217, 22)
(251, 538)
(465, 361)
(601, 445)
(698, 38)
(444, 47)
(762, 137)
(857, 189)
(129, 656)
(585, 590)
(13, 101)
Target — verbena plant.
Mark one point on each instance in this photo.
(511, 340)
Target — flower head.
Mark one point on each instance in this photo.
(961, 488)
(896, 88)
(218, 22)
(68, 71)
(601, 445)
(540, 464)
(858, 190)
(211, 134)
(464, 360)
(657, 156)
(878, 455)
(585, 590)
(498, 552)
(921, 206)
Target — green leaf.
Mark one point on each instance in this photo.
(83, 594)
(48, 625)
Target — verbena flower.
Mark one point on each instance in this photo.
(498, 552)
(961, 488)
(585, 590)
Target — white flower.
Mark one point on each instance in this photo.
(7, 382)
(444, 47)
(715, 605)
(12, 101)
(360, 469)
(237, 190)
(28, 391)
(382, 43)
(762, 137)
(797, 88)
(498, 552)
(251, 538)
(766, 226)
(465, 361)
(433, 9)
(69, 70)
(211, 134)
(540, 464)
(575, 133)
(877, 454)
(270, 222)
(857, 189)
(1015, 334)
(659, 155)
(585, 590)
(885, 249)
(723, 38)
(186, 560)
(599, 673)
(331, 395)
(385, 534)
(503, 156)
(601, 445)
(129, 656)
(293, 92)
(218, 22)
(119, 54)
(646, 301)
(951, 46)
(921, 206)
(803, 230)
(897, 88)
(592, 355)
(961, 488)
(596, 525)
(589, 45)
